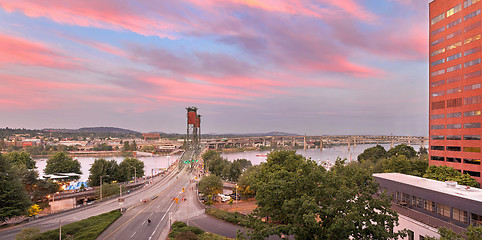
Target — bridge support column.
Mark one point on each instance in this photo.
(293, 142)
(321, 144)
(304, 142)
(391, 145)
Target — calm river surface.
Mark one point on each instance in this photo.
(156, 162)
(327, 155)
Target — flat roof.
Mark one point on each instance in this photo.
(461, 191)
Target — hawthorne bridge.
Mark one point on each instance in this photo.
(306, 142)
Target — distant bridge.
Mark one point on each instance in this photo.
(311, 141)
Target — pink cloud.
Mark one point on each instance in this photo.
(109, 14)
(21, 51)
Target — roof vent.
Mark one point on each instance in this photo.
(451, 183)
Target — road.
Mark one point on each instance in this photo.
(159, 185)
(134, 225)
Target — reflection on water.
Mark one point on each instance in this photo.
(151, 164)
(327, 155)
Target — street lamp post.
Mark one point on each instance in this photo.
(135, 174)
(236, 195)
(168, 164)
(53, 201)
(101, 188)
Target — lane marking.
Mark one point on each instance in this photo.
(165, 214)
(133, 234)
(143, 223)
(143, 209)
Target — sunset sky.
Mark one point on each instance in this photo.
(301, 66)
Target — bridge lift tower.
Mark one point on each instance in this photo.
(193, 135)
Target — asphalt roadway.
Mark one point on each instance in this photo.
(134, 223)
(159, 185)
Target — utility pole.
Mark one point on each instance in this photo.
(60, 229)
(100, 188)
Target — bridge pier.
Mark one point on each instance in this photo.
(321, 144)
(304, 142)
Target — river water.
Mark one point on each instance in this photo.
(327, 155)
(153, 164)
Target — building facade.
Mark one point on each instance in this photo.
(455, 85)
(434, 203)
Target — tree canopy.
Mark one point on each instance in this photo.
(13, 197)
(61, 163)
(210, 185)
(445, 173)
(311, 203)
(217, 165)
(402, 149)
(18, 158)
(373, 153)
(109, 170)
(401, 164)
(126, 169)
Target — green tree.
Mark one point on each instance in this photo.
(210, 185)
(61, 163)
(127, 146)
(126, 169)
(133, 146)
(445, 173)
(402, 149)
(472, 233)
(373, 153)
(307, 201)
(13, 198)
(102, 147)
(109, 170)
(401, 164)
(18, 158)
(247, 181)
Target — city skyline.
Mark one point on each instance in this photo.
(324, 67)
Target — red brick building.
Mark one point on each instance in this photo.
(455, 85)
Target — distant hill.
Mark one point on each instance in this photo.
(107, 130)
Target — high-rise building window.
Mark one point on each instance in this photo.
(454, 23)
(439, 72)
(472, 125)
(472, 63)
(472, 149)
(471, 75)
(472, 173)
(472, 14)
(454, 79)
(439, 148)
(454, 90)
(438, 105)
(471, 100)
(437, 126)
(470, 27)
(472, 87)
(454, 148)
(438, 83)
(437, 158)
(438, 62)
(436, 52)
(469, 2)
(440, 40)
(439, 30)
(454, 115)
(436, 94)
(454, 68)
(454, 10)
(438, 116)
(466, 41)
(472, 161)
(454, 137)
(437, 137)
(454, 126)
(454, 46)
(452, 159)
(471, 51)
(472, 113)
(449, 58)
(454, 34)
(456, 102)
(471, 137)
(437, 18)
